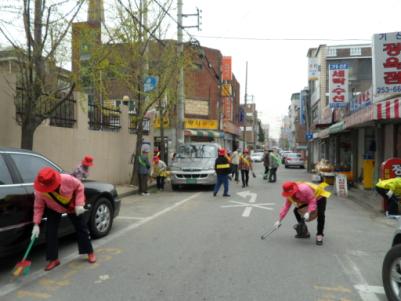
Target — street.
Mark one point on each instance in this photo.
(189, 245)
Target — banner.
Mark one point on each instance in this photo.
(200, 124)
(226, 90)
(226, 73)
(338, 85)
(386, 64)
(313, 68)
(362, 100)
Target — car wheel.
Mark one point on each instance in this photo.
(286, 166)
(302, 167)
(174, 187)
(391, 273)
(101, 218)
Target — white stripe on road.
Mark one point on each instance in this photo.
(355, 275)
(247, 212)
(130, 217)
(9, 288)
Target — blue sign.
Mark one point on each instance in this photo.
(150, 83)
(309, 136)
(241, 115)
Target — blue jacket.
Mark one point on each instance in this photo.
(144, 165)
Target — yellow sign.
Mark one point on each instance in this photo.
(226, 90)
(201, 124)
(166, 122)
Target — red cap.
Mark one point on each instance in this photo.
(222, 152)
(156, 159)
(289, 189)
(87, 161)
(246, 151)
(47, 180)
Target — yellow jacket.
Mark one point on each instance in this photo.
(393, 184)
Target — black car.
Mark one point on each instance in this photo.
(18, 169)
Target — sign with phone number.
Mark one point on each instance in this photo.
(395, 89)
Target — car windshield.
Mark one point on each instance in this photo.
(197, 151)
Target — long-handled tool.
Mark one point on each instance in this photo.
(268, 233)
(24, 265)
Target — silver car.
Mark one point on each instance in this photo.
(194, 164)
(294, 159)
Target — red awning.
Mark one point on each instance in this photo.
(388, 109)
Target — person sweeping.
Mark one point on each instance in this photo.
(310, 202)
(58, 194)
(81, 172)
(390, 190)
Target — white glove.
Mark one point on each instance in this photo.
(389, 194)
(35, 232)
(277, 224)
(79, 210)
(306, 216)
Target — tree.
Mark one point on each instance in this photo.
(133, 51)
(261, 136)
(43, 85)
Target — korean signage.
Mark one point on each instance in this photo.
(341, 185)
(226, 90)
(313, 68)
(338, 85)
(391, 168)
(226, 73)
(200, 124)
(156, 122)
(302, 106)
(387, 63)
(361, 100)
(228, 108)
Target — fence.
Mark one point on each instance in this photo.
(103, 118)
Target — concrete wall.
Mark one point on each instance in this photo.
(66, 146)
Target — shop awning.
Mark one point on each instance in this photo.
(204, 133)
(337, 127)
(388, 109)
(360, 117)
(323, 133)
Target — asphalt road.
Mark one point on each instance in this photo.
(189, 245)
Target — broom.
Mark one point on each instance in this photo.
(24, 265)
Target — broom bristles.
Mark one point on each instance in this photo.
(17, 271)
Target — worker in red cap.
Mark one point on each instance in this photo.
(58, 194)
(223, 169)
(310, 202)
(82, 170)
(245, 165)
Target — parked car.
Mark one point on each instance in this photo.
(283, 155)
(294, 159)
(391, 270)
(194, 164)
(18, 169)
(257, 156)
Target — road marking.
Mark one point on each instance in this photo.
(370, 289)
(355, 275)
(339, 289)
(22, 294)
(246, 193)
(130, 217)
(12, 287)
(248, 207)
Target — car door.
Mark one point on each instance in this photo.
(15, 211)
(28, 166)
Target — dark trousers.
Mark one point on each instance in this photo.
(160, 182)
(245, 177)
(81, 229)
(266, 174)
(392, 203)
(221, 179)
(273, 174)
(321, 217)
(143, 183)
(234, 171)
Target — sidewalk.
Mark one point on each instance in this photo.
(369, 199)
(126, 190)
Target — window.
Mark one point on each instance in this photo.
(5, 177)
(29, 165)
(355, 51)
(332, 52)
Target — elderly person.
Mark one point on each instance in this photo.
(58, 194)
(143, 171)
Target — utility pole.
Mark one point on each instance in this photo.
(180, 88)
(245, 101)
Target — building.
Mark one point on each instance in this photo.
(250, 125)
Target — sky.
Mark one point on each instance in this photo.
(278, 68)
(277, 64)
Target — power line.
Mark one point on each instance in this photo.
(276, 39)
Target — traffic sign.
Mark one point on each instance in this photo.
(150, 83)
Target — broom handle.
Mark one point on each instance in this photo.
(29, 248)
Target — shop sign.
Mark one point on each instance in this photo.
(231, 128)
(226, 73)
(338, 85)
(226, 90)
(386, 63)
(227, 108)
(200, 124)
(156, 122)
(362, 100)
(313, 68)
(341, 185)
(391, 168)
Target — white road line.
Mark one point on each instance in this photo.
(9, 288)
(247, 212)
(355, 275)
(130, 217)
